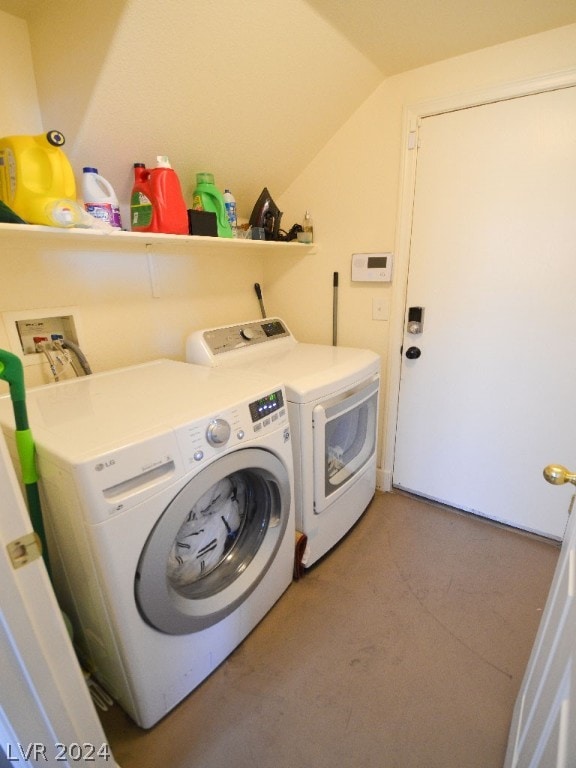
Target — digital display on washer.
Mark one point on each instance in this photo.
(273, 329)
(263, 407)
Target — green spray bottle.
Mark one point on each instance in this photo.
(207, 197)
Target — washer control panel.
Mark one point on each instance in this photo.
(206, 438)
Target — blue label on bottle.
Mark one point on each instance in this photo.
(105, 212)
(231, 213)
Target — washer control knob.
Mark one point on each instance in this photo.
(218, 432)
(247, 333)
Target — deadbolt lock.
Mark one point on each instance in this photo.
(415, 320)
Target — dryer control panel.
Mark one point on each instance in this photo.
(216, 341)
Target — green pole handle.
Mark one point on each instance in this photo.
(12, 371)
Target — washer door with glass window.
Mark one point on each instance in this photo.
(214, 542)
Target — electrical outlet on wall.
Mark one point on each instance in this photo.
(24, 327)
(381, 308)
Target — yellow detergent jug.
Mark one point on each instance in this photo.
(37, 181)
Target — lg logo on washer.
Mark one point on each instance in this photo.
(104, 465)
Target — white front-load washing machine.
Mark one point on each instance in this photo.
(333, 398)
(167, 491)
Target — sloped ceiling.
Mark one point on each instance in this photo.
(247, 89)
(399, 35)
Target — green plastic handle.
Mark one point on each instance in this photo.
(26, 454)
(12, 371)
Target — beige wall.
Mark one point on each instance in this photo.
(120, 320)
(213, 85)
(351, 187)
(19, 110)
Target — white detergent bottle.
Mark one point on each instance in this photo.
(99, 198)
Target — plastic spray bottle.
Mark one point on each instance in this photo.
(208, 198)
(99, 198)
(157, 203)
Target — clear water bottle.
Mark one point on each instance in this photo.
(230, 205)
(307, 234)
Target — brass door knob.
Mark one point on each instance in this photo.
(558, 475)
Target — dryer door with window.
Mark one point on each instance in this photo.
(344, 441)
(214, 542)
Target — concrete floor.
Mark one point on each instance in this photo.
(404, 648)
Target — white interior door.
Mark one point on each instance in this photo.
(492, 257)
(46, 714)
(543, 731)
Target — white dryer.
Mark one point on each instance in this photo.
(168, 495)
(333, 398)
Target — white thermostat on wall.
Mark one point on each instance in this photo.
(372, 267)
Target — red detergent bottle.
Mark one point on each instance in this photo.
(157, 203)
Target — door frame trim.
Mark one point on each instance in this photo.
(412, 115)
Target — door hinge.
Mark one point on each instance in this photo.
(412, 139)
(24, 550)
